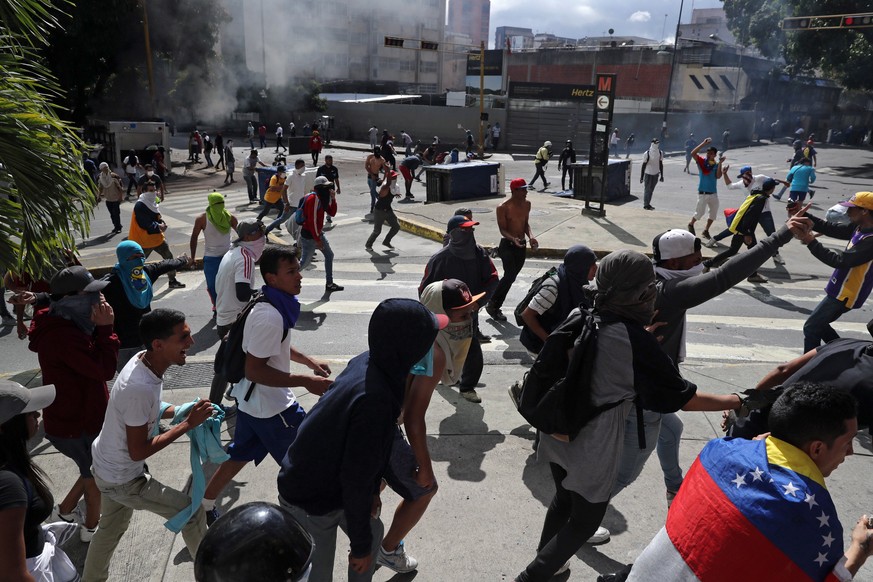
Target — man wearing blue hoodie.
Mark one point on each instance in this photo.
(331, 475)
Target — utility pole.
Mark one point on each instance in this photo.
(481, 99)
(670, 77)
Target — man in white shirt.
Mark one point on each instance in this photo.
(373, 132)
(652, 171)
(268, 414)
(279, 133)
(235, 285)
(129, 437)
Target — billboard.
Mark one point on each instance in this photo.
(493, 65)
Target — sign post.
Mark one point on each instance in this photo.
(598, 154)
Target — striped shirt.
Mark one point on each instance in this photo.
(237, 266)
(546, 297)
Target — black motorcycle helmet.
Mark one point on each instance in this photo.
(255, 541)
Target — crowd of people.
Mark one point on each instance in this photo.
(791, 432)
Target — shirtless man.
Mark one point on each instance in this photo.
(512, 220)
(410, 472)
(374, 165)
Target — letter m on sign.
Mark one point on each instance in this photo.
(604, 84)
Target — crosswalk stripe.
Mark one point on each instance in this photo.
(769, 323)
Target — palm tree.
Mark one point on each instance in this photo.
(45, 197)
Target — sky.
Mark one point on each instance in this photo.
(580, 18)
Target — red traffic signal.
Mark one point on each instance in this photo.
(828, 22)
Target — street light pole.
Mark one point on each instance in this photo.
(481, 99)
(672, 67)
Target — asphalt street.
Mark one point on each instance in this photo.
(485, 521)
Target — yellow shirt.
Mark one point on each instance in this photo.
(274, 191)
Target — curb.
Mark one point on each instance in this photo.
(434, 234)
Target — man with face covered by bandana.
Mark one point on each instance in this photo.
(78, 353)
(681, 285)
(130, 293)
(629, 367)
(147, 229)
(466, 261)
(410, 472)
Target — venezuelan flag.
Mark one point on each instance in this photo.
(755, 511)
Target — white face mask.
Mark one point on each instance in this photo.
(300, 171)
(395, 188)
(255, 246)
(150, 173)
(282, 176)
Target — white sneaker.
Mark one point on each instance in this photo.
(599, 537)
(710, 243)
(85, 534)
(73, 517)
(562, 569)
(398, 560)
(777, 258)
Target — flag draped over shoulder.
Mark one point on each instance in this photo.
(755, 510)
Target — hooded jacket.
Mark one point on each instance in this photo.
(479, 274)
(79, 366)
(343, 445)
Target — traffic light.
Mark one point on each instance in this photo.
(394, 41)
(430, 46)
(858, 20)
(828, 22)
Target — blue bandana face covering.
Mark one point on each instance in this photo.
(137, 286)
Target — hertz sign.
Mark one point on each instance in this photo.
(551, 91)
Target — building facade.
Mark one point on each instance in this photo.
(470, 17)
(329, 40)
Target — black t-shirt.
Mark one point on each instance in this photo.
(384, 203)
(154, 178)
(845, 364)
(16, 492)
(329, 172)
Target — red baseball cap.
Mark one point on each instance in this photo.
(517, 184)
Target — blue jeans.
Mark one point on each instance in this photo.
(766, 222)
(283, 216)
(663, 431)
(307, 246)
(374, 195)
(817, 328)
(210, 271)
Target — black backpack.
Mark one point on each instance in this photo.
(556, 394)
(230, 359)
(531, 293)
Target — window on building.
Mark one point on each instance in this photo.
(696, 82)
(711, 82)
(726, 82)
(428, 67)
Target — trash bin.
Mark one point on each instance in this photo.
(264, 175)
(618, 179)
(462, 181)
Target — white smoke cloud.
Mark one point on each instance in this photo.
(640, 16)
